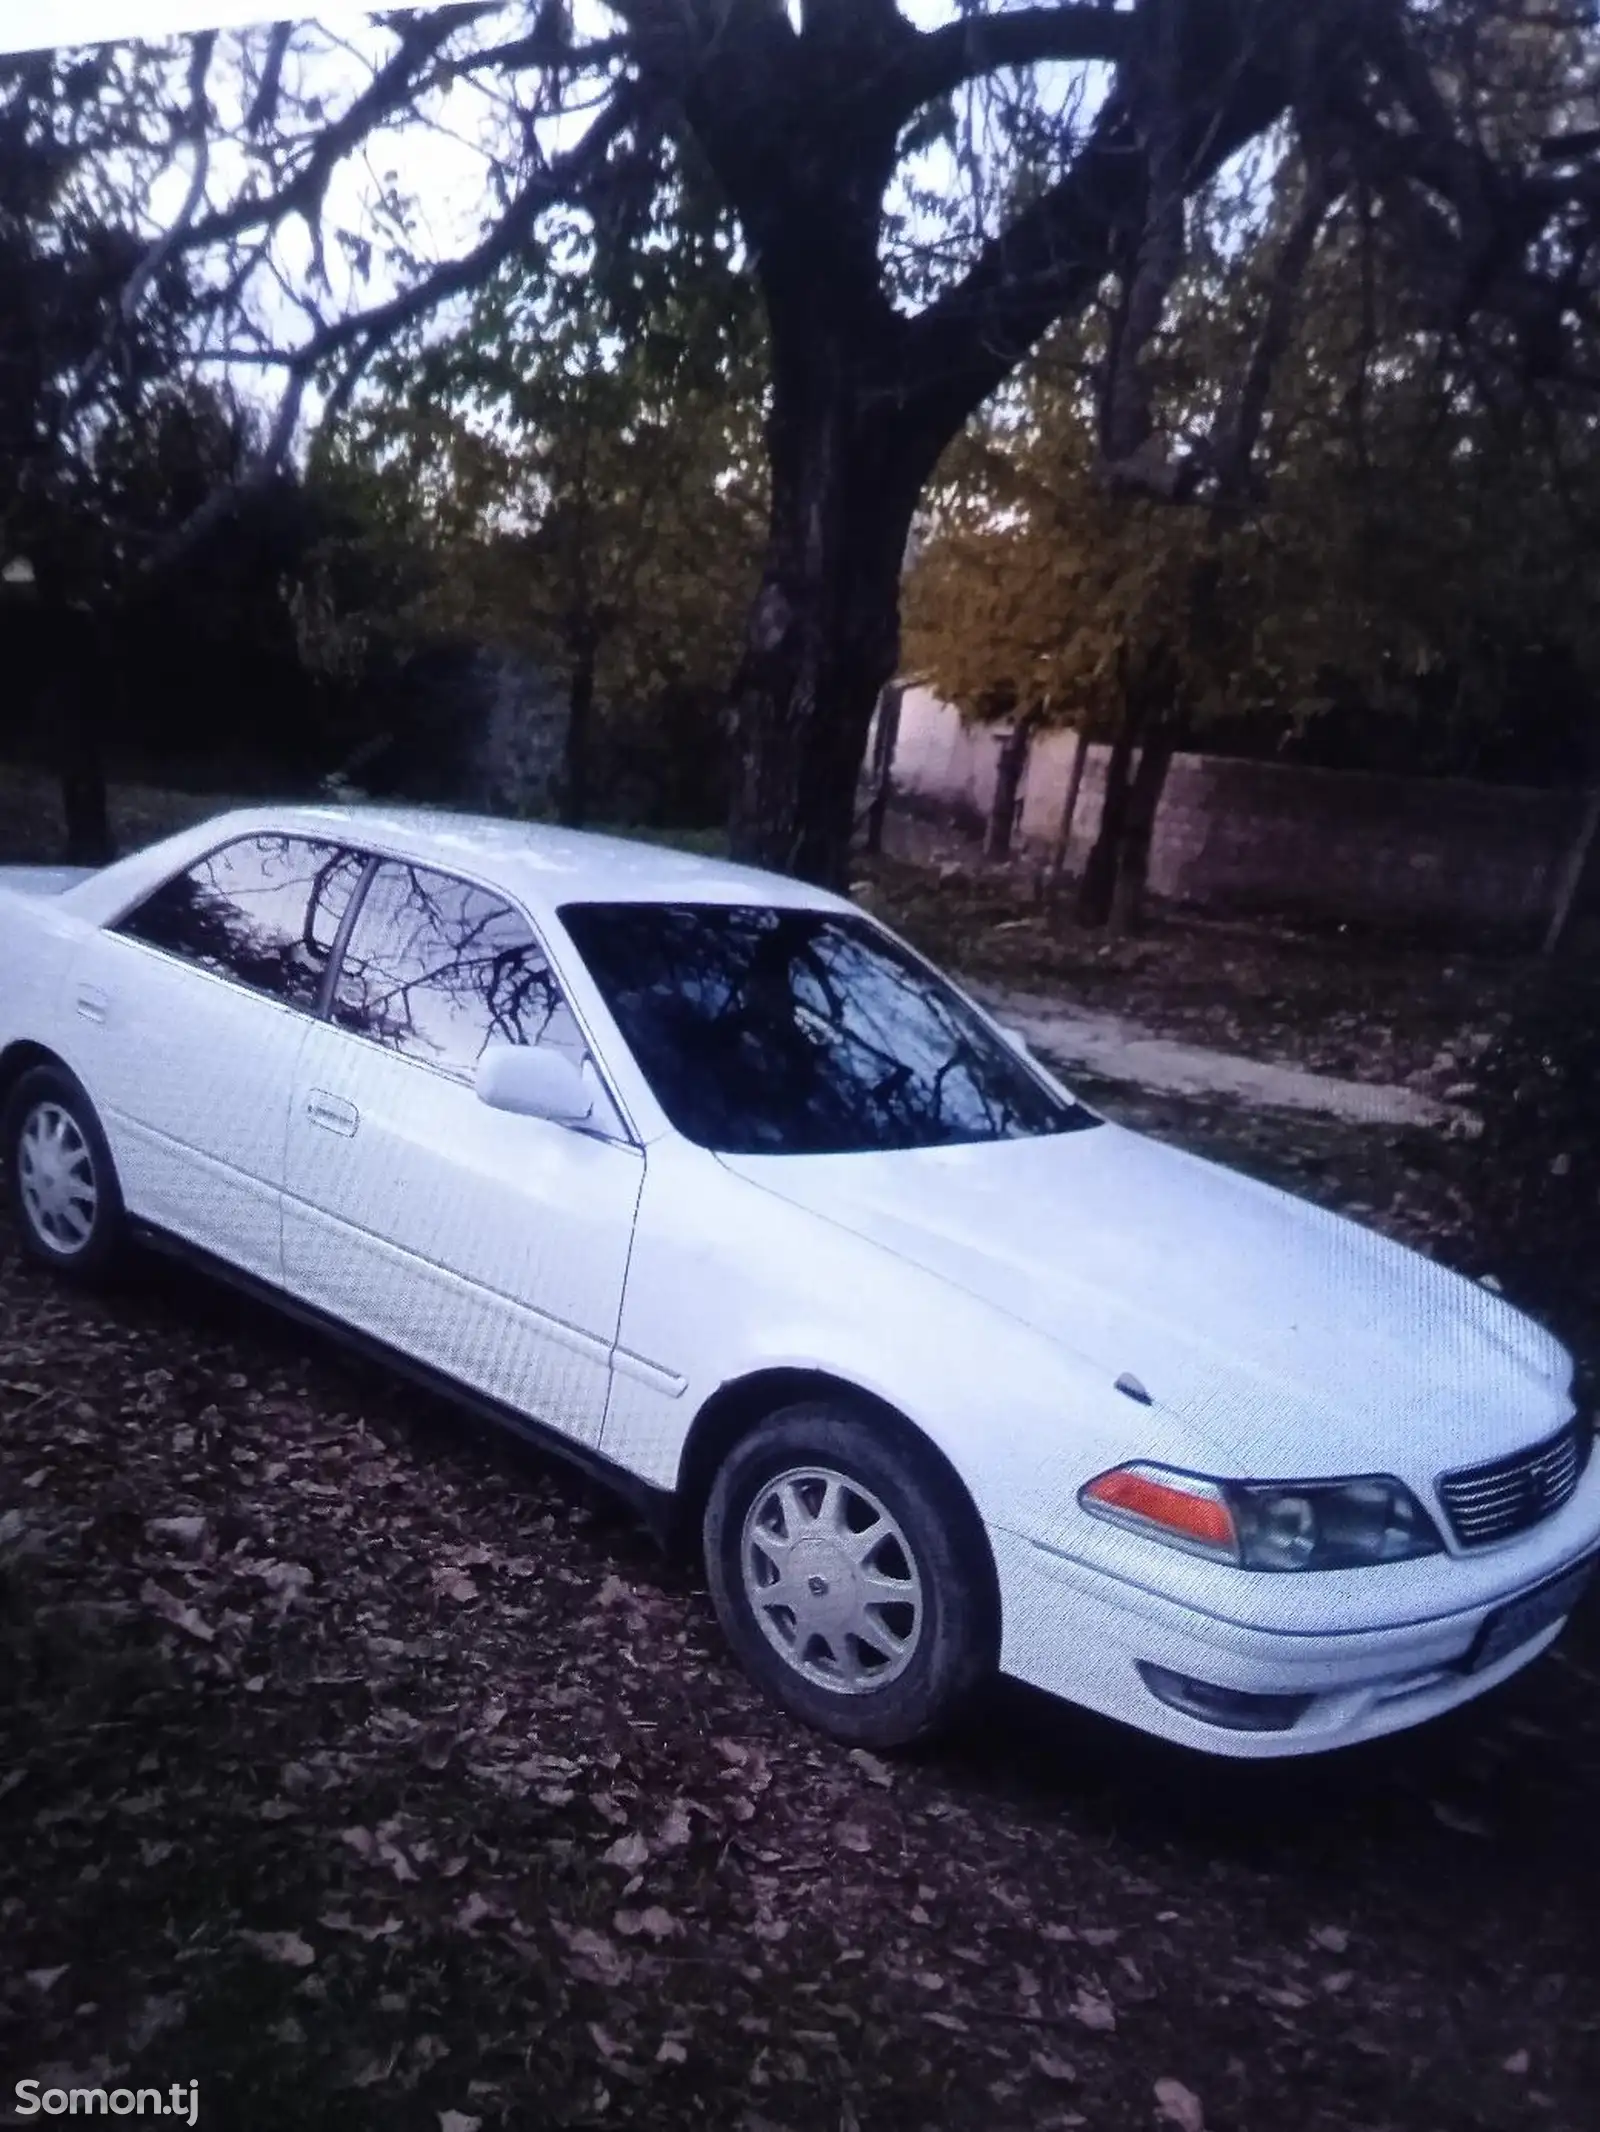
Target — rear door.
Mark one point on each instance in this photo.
(492, 1247)
(188, 1016)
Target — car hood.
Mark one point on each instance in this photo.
(1289, 1340)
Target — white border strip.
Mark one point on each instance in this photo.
(39, 25)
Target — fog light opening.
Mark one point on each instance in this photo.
(1232, 1708)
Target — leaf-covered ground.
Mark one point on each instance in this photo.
(363, 1771)
(369, 1773)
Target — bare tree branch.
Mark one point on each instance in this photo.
(394, 85)
(263, 109)
(944, 59)
(196, 130)
(361, 335)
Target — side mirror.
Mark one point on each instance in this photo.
(534, 1081)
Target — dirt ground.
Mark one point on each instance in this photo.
(366, 1771)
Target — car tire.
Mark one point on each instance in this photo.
(851, 1575)
(60, 1178)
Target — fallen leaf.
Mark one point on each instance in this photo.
(675, 1829)
(1180, 2106)
(1518, 2062)
(630, 1852)
(851, 1836)
(438, 1744)
(290, 1580)
(671, 2053)
(1333, 1938)
(188, 1533)
(454, 1584)
(593, 1955)
(1463, 1823)
(654, 1923)
(172, 1610)
(153, 2019)
(1054, 2068)
(871, 1768)
(1094, 2010)
(286, 1947)
(46, 1979)
(342, 1921)
(458, 2121)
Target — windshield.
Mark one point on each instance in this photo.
(795, 1032)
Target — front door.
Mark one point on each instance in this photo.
(491, 1247)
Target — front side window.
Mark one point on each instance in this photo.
(264, 911)
(779, 1032)
(436, 969)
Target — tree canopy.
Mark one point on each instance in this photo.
(1419, 550)
(921, 196)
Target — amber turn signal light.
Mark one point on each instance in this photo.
(1185, 1510)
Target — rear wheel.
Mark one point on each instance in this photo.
(60, 1177)
(850, 1575)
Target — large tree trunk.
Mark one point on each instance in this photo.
(1097, 889)
(824, 635)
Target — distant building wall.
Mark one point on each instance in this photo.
(1238, 834)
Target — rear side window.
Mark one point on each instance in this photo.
(264, 911)
(436, 969)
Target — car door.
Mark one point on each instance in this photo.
(188, 1014)
(492, 1247)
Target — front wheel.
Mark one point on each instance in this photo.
(62, 1184)
(850, 1575)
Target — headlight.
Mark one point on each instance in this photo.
(1268, 1525)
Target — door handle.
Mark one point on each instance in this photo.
(332, 1113)
(92, 1003)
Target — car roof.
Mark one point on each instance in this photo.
(549, 865)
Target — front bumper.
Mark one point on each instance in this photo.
(1078, 1633)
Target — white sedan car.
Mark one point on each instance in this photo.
(704, 1178)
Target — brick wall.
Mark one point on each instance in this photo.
(1234, 834)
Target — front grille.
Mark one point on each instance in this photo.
(1496, 1502)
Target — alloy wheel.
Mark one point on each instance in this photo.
(56, 1178)
(831, 1578)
